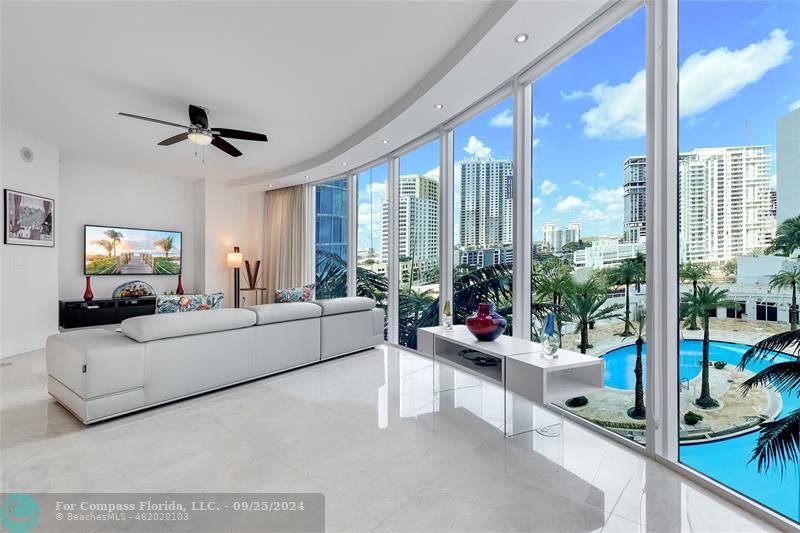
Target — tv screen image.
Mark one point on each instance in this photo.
(115, 251)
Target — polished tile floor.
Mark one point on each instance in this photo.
(368, 431)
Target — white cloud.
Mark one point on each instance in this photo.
(569, 203)
(601, 175)
(794, 105)
(568, 126)
(541, 122)
(476, 148)
(536, 142)
(433, 173)
(608, 196)
(548, 187)
(537, 201)
(577, 183)
(707, 79)
(504, 119)
(537, 211)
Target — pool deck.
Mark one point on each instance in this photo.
(736, 414)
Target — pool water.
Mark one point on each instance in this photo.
(724, 460)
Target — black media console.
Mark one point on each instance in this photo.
(80, 313)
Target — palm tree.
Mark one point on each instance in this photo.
(783, 280)
(487, 284)
(411, 306)
(585, 303)
(701, 304)
(115, 237)
(106, 244)
(165, 244)
(627, 272)
(779, 440)
(787, 238)
(554, 278)
(694, 272)
(638, 410)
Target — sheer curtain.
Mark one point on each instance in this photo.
(286, 234)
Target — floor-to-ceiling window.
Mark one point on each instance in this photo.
(588, 213)
(483, 213)
(373, 235)
(418, 241)
(739, 236)
(331, 239)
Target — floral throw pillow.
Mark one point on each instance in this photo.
(296, 294)
(188, 302)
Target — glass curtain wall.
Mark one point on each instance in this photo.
(739, 237)
(418, 241)
(483, 213)
(373, 236)
(331, 239)
(588, 212)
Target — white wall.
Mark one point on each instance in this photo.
(232, 218)
(213, 220)
(29, 275)
(107, 196)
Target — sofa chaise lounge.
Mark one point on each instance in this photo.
(99, 373)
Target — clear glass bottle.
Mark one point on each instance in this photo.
(447, 316)
(550, 338)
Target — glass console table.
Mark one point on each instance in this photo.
(522, 370)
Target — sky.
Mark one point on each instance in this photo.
(739, 73)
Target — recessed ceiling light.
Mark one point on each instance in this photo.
(308, 177)
(521, 38)
(270, 185)
(385, 141)
(344, 163)
(438, 106)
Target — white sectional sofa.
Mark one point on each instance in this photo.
(99, 374)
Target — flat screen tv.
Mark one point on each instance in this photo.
(114, 251)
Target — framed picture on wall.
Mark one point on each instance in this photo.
(29, 219)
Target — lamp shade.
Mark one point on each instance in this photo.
(234, 260)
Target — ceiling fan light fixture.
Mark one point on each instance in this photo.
(199, 137)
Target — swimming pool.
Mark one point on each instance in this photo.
(724, 460)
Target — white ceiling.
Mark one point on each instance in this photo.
(324, 80)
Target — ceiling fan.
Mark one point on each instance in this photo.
(199, 133)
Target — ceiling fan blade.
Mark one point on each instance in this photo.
(154, 120)
(225, 146)
(239, 134)
(198, 116)
(174, 139)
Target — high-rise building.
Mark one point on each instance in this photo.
(331, 217)
(547, 233)
(634, 224)
(724, 198)
(555, 238)
(575, 227)
(486, 203)
(787, 144)
(418, 222)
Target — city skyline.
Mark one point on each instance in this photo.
(571, 100)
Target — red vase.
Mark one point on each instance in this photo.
(88, 295)
(486, 324)
(179, 290)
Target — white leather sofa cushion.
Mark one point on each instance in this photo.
(153, 327)
(94, 362)
(337, 306)
(285, 312)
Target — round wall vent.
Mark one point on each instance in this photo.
(26, 154)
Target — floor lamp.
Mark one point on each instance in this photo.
(235, 262)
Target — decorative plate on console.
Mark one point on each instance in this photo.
(133, 289)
